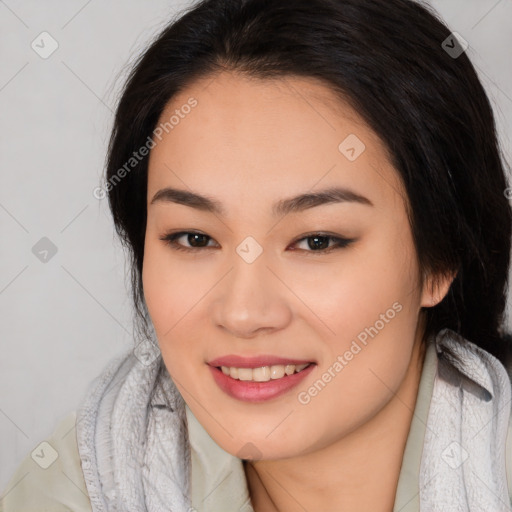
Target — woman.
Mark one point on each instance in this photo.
(316, 210)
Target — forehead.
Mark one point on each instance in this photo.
(250, 136)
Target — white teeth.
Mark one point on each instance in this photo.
(276, 372)
(263, 373)
(244, 373)
(289, 369)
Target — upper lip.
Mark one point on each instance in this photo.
(236, 361)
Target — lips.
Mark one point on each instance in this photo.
(249, 391)
(255, 361)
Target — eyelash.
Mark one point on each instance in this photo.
(170, 240)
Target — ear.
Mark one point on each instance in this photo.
(435, 288)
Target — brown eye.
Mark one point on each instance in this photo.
(196, 240)
(318, 242)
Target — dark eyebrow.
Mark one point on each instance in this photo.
(284, 206)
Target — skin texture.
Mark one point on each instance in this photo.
(249, 143)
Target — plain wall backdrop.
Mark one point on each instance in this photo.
(67, 312)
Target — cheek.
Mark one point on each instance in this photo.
(173, 290)
(370, 304)
(346, 296)
(159, 285)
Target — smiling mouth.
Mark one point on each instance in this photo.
(262, 373)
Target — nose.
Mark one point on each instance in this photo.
(252, 300)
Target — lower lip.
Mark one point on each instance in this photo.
(250, 391)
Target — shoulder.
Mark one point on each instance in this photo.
(50, 477)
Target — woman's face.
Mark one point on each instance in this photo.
(263, 278)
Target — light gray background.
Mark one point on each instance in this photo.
(63, 320)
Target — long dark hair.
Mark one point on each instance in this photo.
(390, 61)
